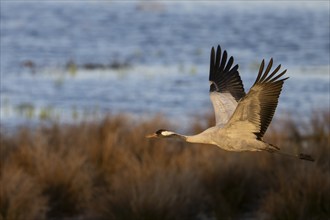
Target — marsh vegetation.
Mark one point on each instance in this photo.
(109, 170)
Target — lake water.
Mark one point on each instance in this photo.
(70, 61)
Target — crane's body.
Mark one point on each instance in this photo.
(230, 139)
(241, 118)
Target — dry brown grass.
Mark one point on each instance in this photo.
(108, 170)
(21, 197)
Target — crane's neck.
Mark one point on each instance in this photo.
(198, 138)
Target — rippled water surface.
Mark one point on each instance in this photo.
(69, 61)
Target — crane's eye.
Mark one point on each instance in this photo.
(159, 132)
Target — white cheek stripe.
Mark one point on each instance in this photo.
(167, 133)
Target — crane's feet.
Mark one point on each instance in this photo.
(306, 157)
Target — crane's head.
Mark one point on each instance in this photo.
(162, 133)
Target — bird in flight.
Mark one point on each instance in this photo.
(241, 118)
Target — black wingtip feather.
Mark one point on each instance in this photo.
(269, 66)
(229, 64)
(223, 75)
(223, 60)
(218, 57)
(212, 64)
(273, 73)
(261, 68)
(278, 76)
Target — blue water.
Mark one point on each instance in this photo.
(165, 49)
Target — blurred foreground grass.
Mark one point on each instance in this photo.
(108, 170)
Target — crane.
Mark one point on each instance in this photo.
(241, 118)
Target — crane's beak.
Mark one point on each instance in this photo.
(151, 135)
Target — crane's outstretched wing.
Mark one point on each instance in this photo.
(226, 87)
(256, 110)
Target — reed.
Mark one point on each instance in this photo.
(108, 170)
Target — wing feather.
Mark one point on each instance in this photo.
(226, 87)
(259, 105)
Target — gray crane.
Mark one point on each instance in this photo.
(241, 119)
